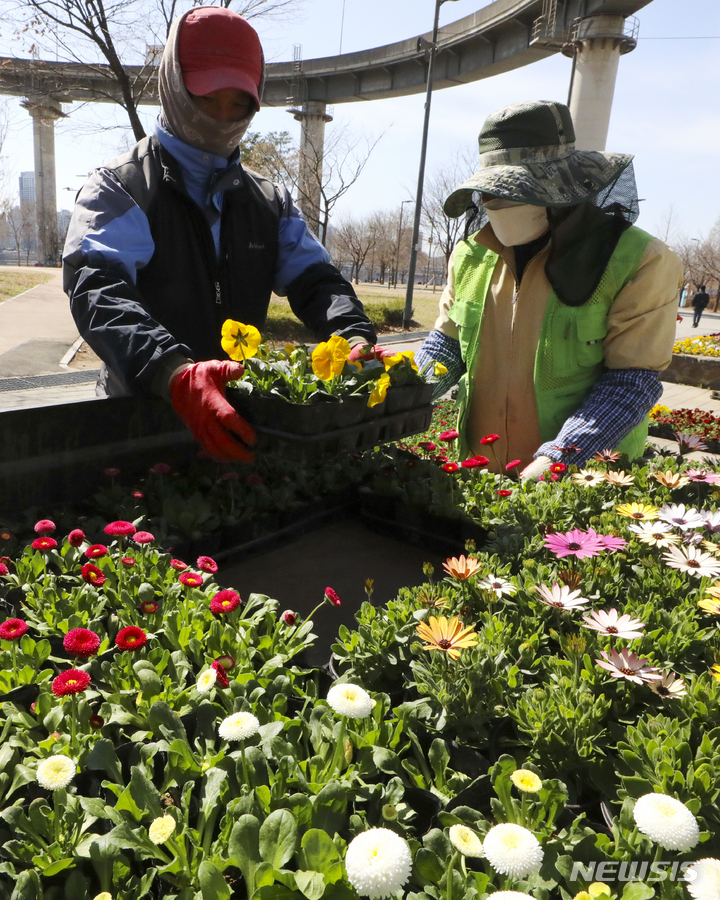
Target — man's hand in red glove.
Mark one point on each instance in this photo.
(198, 397)
(366, 352)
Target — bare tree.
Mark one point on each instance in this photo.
(113, 37)
(354, 239)
(273, 155)
(665, 228)
(18, 223)
(444, 231)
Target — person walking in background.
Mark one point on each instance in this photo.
(700, 300)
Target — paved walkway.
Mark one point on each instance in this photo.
(37, 335)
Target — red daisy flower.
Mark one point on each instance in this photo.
(332, 596)
(120, 529)
(451, 467)
(513, 464)
(44, 526)
(95, 551)
(224, 601)
(127, 561)
(503, 493)
(178, 564)
(138, 495)
(161, 469)
(558, 468)
(131, 638)
(93, 575)
(4, 569)
(289, 617)
(226, 661)
(222, 679)
(143, 537)
(451, 435)
(207, 564)
(190, 579)
(490, 439)
(96, 721)
(76, 537)
(44, 543)
(5, 536)
(149, 606)
(427, 445)
(111, 471)
(73, 681)
(13, 629)
(81, 641)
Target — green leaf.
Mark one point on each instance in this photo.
(102, 758)
(278, 837)
(321, 854)
(311, 884)
(167, 722)
(212, 884)
(58, 866)
(429, 866)
(637, 890)
(150, 683)
(244, 847)
(27, 887)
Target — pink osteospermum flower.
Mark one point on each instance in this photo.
(44, 526)
(611, 543)
(689, 442)
(561, 597)
(677, 515)
(207, 564)
(712, 521)
(608, 622)
(693, 561)
(702, 477)
(574, 543)
(623, 664)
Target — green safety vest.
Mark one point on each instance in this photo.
(569, 356)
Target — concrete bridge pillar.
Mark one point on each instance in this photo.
(598, 43)
(44, 112)
(313, 118)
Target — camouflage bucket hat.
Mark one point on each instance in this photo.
(528, 155)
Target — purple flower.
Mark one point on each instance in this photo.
(574, 543)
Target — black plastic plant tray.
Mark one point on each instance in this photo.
(345, 440)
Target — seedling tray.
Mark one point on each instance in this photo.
(345, 440)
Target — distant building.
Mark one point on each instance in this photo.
(27, 188)
(63, 220)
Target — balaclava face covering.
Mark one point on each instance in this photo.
(182, 118)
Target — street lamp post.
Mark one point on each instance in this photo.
(407, 314)
(399, 238)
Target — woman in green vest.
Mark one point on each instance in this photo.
(558, 314)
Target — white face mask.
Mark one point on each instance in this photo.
(518, 224)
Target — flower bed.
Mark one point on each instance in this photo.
(702, 345)
(539, 718)
(698, 423)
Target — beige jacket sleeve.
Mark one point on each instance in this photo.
(641, 323)
(443, 322)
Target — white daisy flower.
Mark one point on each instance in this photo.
(693, 561)
(238, 727)
(513, 850)
(561, 597)
(654, 533)
(588, 478)
(671, 686)
(55, 772)
(105, 895)
(666, 821)
(712, 521)
(608, 622)
(465, 840)
(678, 516)
(206, 681)
(350, 700)
(161, 828)
(703, 879)
(378, 863)
(499, 586)
(509, 895)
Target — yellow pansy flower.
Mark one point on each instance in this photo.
(439, 369)
(377, 395)
(397, 358)
(240, 341)
(329, 357)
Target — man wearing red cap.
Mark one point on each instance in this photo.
(174, 237)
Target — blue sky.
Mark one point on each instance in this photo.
(666, 109)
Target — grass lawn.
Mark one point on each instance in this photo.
(13, 283)
(384, 307)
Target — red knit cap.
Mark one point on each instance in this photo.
(219, 49)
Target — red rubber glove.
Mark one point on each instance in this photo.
(366, 352)
(198, 397)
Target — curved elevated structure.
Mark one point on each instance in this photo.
(503, 35)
